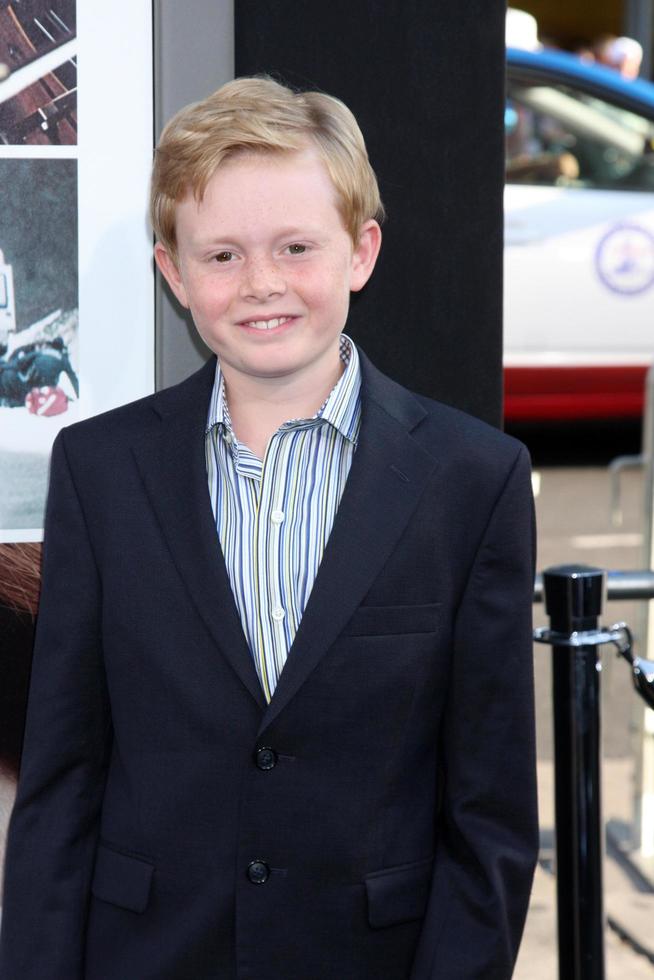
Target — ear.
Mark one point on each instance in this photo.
(365, 254)
(170, 271)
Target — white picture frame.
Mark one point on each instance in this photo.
(111, 348)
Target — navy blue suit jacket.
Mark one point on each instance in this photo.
(397, 823)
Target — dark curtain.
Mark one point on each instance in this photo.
(426, 82)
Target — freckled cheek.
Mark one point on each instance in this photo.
(319, 290)
(209, 301)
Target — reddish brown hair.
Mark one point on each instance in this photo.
(20, 576)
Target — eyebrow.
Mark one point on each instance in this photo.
(229, 241)
(300, 232)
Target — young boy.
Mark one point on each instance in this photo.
(280, 721)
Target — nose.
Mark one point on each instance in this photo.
(262, 279)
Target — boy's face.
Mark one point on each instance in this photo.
(266, 267)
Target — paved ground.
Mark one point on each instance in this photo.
(625, 903)
(573, 509)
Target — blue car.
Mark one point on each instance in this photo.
(579, 239)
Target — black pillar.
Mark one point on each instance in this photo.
(425, 79)
(573, 601)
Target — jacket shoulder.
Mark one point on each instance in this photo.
(447, 433)
(463, 434)
(121, 425)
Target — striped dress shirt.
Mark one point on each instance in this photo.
(274, 516)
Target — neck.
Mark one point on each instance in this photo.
(259, 406)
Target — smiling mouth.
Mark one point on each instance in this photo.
(270, 324)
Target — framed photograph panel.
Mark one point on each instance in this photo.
(76, 274)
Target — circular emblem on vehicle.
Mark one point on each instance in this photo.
(625, 259)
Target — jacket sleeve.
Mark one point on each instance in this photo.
(54, 826)
(487, 837)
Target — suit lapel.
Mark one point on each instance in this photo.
(388, 475)
(172, 466)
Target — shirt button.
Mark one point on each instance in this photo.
(277, 516)
(278, 613)
(258, 872)
(266, 758)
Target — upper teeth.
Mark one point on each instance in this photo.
(268, 324)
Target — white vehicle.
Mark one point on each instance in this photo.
(579, 239)
(7, 303)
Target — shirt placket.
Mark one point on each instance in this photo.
(270, 555)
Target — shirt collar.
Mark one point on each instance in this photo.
(342, 408)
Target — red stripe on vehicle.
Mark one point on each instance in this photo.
(583, 392)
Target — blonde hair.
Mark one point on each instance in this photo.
(259, 115)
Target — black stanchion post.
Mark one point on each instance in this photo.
(573, 601)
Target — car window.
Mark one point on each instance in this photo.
(560, 136)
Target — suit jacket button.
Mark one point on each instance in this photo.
(258, 872)
(265, 758)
